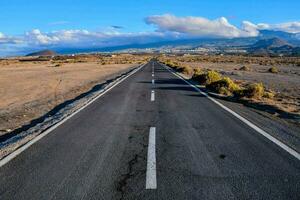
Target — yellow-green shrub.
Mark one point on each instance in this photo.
(224, 86)
(245, 68)
(269, 94)
(188, 70)
(197, 71)
(208, 78)
(273, 70)
(255, 90)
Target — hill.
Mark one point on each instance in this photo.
(43, 53)
(272, 46)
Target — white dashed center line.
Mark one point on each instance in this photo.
(152, 68)
(153, 81)
(151, 161)
(152, 95)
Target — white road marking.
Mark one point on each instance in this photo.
(152, 95)
(152, 74)
(151, 161)
(250, 124)
(43, 134)
(153, 81)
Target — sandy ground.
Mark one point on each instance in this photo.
(30, 89)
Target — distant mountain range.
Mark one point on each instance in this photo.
(273, 46)
(267, 42)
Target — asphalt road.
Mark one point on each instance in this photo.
(197, 150)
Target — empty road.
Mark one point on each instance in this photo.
(152, 137)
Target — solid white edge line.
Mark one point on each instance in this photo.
(43, 134)
(152, 95)
(151, 161)
(250, 124)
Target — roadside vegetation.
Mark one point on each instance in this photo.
(273, 70)
(267, 83)
(246, 90)
(101, 59)
(240, 59)
(215, 82)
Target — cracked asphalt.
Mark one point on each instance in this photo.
(202, 151)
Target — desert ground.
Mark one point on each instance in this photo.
(30, 89)
(284, 83)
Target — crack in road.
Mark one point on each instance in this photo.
(123, 182)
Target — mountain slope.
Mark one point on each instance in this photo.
(43, 53)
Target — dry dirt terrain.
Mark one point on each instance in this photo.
(285, 83)
(32, 88)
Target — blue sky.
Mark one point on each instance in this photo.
(26, 23)
(17, 16)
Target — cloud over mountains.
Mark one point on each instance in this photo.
(203, 27)
(167, 27)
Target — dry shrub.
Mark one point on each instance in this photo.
(254, 90)
(273, 70)
(207, 78)
(187, 70)
(245, 68)
(182, 69)
(197, 71)
(224, 86)
(171, 64)
(269, 94)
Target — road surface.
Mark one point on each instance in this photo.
(152, 137)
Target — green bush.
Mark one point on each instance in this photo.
(273, 70)
(208, 78)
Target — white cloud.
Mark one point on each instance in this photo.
(200, 26)
(36, 37)
(290, 27)
(168, 27)
(89, 38)
(9, 39)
